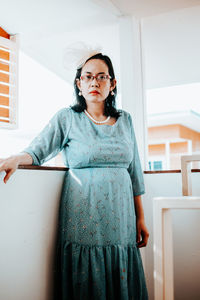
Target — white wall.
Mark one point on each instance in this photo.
(41, 94)
(171, 48)
(28, 216)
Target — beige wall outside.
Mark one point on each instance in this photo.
(168, 132)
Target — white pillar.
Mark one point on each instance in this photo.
(189, 147)
(132, 79)
(167, 155)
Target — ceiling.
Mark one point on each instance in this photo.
(144, 8)
(46, 27)
(42, 18)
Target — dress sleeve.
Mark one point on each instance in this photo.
(52, 139)
(134, 168)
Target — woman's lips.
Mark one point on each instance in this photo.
(94, 92)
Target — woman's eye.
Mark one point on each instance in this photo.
(88, 77)
(101, 77)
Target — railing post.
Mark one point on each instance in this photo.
(186, 173)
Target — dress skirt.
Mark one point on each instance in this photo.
(96, 255)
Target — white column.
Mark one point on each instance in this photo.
(132, 79)
(186, 173)
(189, 147)
(167, 155)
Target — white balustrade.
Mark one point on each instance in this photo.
(163, 235)
(186, 173)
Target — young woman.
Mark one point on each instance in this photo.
(101, 220)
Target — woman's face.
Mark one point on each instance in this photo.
(95, 67)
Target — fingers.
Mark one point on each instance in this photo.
(144, 241)
(9, 166)
(138, 235)
(8, 174)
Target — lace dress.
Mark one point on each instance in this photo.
(96, 255)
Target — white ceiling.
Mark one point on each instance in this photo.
(46, 27)
(41, 18)
(144, 8)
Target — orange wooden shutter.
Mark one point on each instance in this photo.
(8, 79)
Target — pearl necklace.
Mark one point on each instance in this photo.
(99, 122)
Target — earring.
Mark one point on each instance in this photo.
(112, 93)
(80, 93)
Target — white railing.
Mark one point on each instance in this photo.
(162, 230)
(186, 173)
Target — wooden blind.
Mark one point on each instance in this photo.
(8, 80)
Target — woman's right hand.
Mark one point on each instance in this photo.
(9, 165)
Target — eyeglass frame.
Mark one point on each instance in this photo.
(95, 76)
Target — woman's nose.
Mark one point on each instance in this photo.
(94, 82)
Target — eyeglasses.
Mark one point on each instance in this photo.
(99, 78)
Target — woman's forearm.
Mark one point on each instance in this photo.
(23, 158)
(138, 207)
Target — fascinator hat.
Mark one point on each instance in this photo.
(76, 54)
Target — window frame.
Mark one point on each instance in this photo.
(12, 45)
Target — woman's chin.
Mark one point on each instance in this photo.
(94, 99)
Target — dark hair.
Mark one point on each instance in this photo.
(110, 104)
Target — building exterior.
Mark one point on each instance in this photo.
(167, 142)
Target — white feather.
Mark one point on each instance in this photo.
(76, 54)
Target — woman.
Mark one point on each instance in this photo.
(101, 220)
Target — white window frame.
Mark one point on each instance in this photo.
(12, 45)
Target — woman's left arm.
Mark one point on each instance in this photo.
(142, 231)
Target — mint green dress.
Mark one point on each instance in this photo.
(96, 256)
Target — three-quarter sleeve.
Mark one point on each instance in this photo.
(134, 168)
(52, 139)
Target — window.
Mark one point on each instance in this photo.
(8, 80)
(156, 165)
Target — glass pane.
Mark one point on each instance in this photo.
(157, 165)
